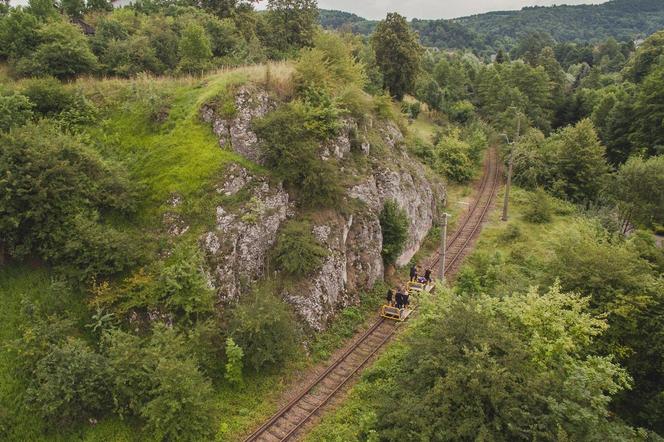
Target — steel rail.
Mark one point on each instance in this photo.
(474, 223)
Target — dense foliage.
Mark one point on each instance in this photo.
(394, 225)
(516, 368)
(107, 188)
(397, 54)
(489, 32)
(156, 37)
(297, 251)
(54, 190)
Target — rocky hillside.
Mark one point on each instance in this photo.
(239, 245)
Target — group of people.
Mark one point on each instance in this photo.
(414, 275)
(399, 300)
(399, 297)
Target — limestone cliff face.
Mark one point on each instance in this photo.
(412, 191)
(238, 246)
(235, 133)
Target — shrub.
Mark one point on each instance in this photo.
(539, 209)
(411, 110)
(329, 65)
(462, 111)
(234, 355)
(63, 51)
(452, 159)
(264, 328)
(194, 49)
(477, 141)
(297, 251)
(394, 225)
(184, 285)
(71, 382)
(48, 95)
(421, 149)
(130, 367)
(510, 234)
(50, 205)
(15, 110)
(181, 407)
(290, 139)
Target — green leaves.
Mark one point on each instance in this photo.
(394, 226)
(297, 252)
(516, 368)
(53, 187)
(194, 49)
(398, 54)
(264, 328)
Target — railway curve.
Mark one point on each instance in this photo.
(289, 422)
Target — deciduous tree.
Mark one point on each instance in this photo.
(398, 54)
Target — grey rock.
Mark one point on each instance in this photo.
(251, 102)
(236, 249)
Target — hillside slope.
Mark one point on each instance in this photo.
(621, 19)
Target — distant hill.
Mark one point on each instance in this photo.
(622, 19)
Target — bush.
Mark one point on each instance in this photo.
(477, 141)
(182, 407)
(130, 366)
(71, 382)
(421, 149)
(539, 209)
(63, 51)
(264, 328)
(195, 49)
(462, 111)
(506, 354)
(330, 65)
(15, 110)
(184, 285)
(48, 95)
(394, 225)
(50, 207)
(411, 110)
(297, 252)
(452, 159)
(234, 355)
(290, 139)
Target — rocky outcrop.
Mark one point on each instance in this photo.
(354, 264)
(235, 133)
(246, 230)
(411, 190)
(237, 247)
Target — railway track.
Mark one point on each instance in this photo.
(291, 419)
(458, 245)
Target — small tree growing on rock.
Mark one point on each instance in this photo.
(297, 252)
(394, 224)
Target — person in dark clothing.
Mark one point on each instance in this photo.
(413, 273)
(405, 301)
(427, 275)
(389, 296)
(399, 299)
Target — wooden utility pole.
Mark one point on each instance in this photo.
(510, 162)
(443, 246)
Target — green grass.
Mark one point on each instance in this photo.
(20, 282)
(424, 127)
(347, 323)
(180, 155)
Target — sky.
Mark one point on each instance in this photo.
(432, 9)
